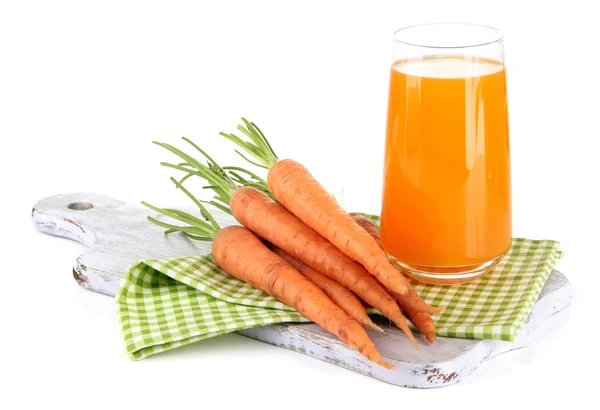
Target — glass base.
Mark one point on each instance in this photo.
(455, 275)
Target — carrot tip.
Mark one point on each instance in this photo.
(412, 339)
(386, 365)
(374, 326)
(401, 323)
(438, 309)
(368, 323)
(430, 336)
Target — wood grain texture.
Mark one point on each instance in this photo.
(118, 234)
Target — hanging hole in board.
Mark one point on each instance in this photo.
(80, 206)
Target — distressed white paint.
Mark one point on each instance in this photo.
(118, 234)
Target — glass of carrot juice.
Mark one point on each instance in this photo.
(446, 211)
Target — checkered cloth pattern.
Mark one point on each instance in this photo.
(167, 303)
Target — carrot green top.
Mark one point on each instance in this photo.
(195, 228)
(222, 181)
(257, 145)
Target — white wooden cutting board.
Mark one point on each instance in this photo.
(118, 234)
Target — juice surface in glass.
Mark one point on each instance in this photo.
(446, 195)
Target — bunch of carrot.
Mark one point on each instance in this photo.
(297, 243)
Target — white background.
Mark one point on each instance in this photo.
(86, 86)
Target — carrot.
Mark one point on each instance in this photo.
(255, 209)
(413, 306)
(271, 221)
(412, 299)
(340, 295)
(295, 188)
(367, 225)
(423, 322)
(243, 255)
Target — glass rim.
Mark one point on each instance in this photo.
(499, 37)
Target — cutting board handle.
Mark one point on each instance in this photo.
(116, 233)
(78, 216)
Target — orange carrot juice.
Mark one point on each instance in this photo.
(446, 196)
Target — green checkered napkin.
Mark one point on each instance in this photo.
(167, 303)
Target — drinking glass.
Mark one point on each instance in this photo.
(446, 211)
